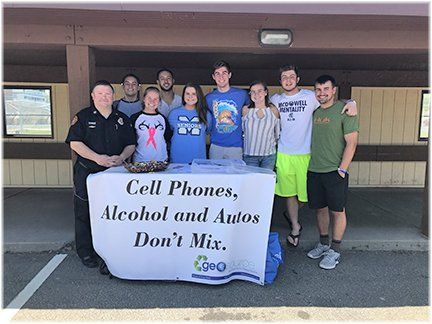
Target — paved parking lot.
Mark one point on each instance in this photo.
(363, 280)
(383, 274)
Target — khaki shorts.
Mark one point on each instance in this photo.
(291, 175)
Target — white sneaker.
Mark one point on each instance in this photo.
(330, 260)
(318, 251)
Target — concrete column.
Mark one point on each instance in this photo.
(81, 76)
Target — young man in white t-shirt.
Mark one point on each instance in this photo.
(296, 107)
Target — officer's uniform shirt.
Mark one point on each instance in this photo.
(102, 135)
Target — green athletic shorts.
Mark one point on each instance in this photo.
(291, 175)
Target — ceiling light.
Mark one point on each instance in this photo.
(277, 37)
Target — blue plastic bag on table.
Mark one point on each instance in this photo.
(274, 258)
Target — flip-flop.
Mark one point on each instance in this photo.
(294, 237)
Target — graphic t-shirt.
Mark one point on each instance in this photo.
(226, 108)
(328, 142)
(152, 134)
(189, 135)
(296, 121)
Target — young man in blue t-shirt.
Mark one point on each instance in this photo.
(225, 104)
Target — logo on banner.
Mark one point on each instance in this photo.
(201, 264)
(197, 261)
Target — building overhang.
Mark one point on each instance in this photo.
(306, 7)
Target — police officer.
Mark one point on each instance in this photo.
(102, 137)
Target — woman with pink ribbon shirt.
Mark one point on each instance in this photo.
(152, 129)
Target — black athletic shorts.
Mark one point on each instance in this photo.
(327, 190)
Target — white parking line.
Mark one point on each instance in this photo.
(15, 305)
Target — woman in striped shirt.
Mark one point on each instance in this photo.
(261, 127)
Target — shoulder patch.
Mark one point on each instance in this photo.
(74, 120)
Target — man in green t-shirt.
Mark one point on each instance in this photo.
(334, 141)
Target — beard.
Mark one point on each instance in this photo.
(323, 100)
(131, 93)
(163, 88)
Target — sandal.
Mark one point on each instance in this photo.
(294, 237)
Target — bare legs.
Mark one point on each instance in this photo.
(323, 220)
(293, 206)
(339, 223)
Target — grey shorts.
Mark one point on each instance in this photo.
(220, 152)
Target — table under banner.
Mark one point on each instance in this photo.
(178, 225)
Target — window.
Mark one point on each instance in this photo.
(424, 116)
(27, 111)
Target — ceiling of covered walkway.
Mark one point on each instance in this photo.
(144, 37)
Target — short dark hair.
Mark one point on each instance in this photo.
(164, 70)
(104, 83)
(288, 67)
(324, 78)
(221, 63)
(131, 75)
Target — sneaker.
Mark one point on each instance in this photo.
(318, 251)
(330, 260)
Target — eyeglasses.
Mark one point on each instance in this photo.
(252, 92)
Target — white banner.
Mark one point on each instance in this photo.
(207, 228)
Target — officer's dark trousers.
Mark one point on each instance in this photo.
(83, 237)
